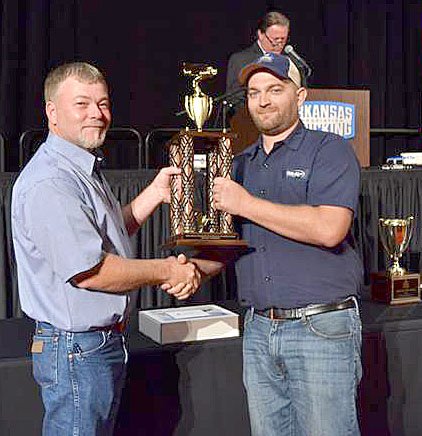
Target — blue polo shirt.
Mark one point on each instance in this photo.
(309, 167)
(64, 218)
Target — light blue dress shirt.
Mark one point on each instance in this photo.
(63, 221)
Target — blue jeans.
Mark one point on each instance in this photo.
(301, 376)
(81, 376)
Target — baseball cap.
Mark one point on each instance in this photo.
(279, 65)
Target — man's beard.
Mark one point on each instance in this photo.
(93, 143)
(277, 123)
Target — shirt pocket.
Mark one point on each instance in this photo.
(292, 185)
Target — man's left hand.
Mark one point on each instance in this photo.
(161, 183)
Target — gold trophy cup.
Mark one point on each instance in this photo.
(190, 227)
(198, 105)
(396, 285)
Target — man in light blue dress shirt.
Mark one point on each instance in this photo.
(75, 263)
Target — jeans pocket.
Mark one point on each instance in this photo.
(45, 359)
(332, 325)
(89, 343)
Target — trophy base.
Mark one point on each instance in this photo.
(394, 290)
(207, 241)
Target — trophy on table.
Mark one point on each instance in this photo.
(396, 285)
(204, 228)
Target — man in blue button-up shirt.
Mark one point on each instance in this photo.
(74, 259)
(296, 192)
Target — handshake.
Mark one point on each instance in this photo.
(183, 277)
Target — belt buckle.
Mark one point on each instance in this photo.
(121, 326)
(118, 327)
(275, 317)
(272, 314)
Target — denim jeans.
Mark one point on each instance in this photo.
(301, 376)
(81, 376)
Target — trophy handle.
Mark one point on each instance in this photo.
(210, 102)
(410, 229)
(188, 106)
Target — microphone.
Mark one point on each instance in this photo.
(291, 52)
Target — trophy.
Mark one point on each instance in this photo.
(208, 228)
(395, 286)
(198, 105)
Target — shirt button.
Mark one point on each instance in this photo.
(263, 192)
(265, 165)
(261, 248)
(268, 278)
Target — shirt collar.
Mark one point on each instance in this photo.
(293, 141)
(78, 156)
(260, 46)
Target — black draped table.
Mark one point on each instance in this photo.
(195, 389)
(393, 194)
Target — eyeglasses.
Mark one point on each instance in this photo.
(277, 42)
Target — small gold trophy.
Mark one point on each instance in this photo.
(198, 105)
(395, 286)
(197, 228)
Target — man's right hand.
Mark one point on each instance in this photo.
(184, 277)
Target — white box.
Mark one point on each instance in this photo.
(188, 323)
(412, 158)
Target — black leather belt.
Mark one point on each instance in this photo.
(299, 312)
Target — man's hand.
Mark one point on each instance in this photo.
(140, 208)
(184, 278)
(161, 183)
(229, 196)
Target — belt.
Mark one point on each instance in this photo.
(118, 327)
(299, 312)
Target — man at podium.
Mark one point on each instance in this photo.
(295, 192)
(271, 37)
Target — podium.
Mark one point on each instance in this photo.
(348, 104)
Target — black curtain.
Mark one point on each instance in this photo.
(139, 45)
(368, 44)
